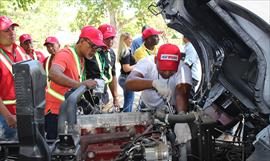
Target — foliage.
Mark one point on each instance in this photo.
(95, 12)
(42, 18)
(24, 3)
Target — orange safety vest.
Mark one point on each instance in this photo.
(55, 93)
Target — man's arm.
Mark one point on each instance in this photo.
(10, 119)
(136, 82)
(57, 75)
(114, 91)
(182, 92)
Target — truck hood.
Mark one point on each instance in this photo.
(233, 45)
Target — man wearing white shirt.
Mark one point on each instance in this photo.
(193, 61)
(162, 79)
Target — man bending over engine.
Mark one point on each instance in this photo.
(163, 80)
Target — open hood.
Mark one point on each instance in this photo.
(233, 45)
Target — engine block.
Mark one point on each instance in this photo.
(102, 135)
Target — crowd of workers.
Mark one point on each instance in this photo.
(159, 73)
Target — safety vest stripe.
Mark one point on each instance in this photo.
(47, 68)
(49, 89)
(9, 102)
(76, 58)
(23, 55)
(55, 94)
(6, 62)
(35, 56)
(100, 68)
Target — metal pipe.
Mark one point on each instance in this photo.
(68, 111)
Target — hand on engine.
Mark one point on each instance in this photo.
(162, 88)
(116, 102)
(89, 83)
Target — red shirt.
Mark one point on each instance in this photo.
(40, 56)
(7, 89)
(65, 60)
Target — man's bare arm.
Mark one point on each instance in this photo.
(9, 118)
(56, 75)
(136, 82)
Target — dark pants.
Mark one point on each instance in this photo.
(51, 125)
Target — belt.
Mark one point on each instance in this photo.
(124, 75)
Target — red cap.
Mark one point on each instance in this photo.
(93, 34)
(107, 30)
(25, 37)
(51, 40)
(5, 23)
(168, 57)
(149, 32)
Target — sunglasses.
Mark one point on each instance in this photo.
(93, 46)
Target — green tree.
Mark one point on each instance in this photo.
(115, 12)
(124, 15)
(41, 19)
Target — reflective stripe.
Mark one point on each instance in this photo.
(47, 68)
(55, 94)
(101, 70)
(6, 62)
(35, 56)
(22, 54)
(9, 102)
(50, 90)
(78, 64)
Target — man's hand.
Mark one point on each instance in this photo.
(89, 83)
(182, 132)
(11, 121)
(162, 88)
(116, 102)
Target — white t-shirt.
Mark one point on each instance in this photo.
(148, 69)
(192, 58)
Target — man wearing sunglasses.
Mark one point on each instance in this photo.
(9, 53)
(102, 65)
(66, 72)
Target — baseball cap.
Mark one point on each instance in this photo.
(149, 32)
(51, 40)
(93, 34)
(168, 57)
(107, 30)
(6, 22)
(25, 37)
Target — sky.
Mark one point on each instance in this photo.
(259, 7)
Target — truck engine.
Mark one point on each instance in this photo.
(104, 136)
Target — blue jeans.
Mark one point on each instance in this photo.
(6, 132)
(128, 95)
